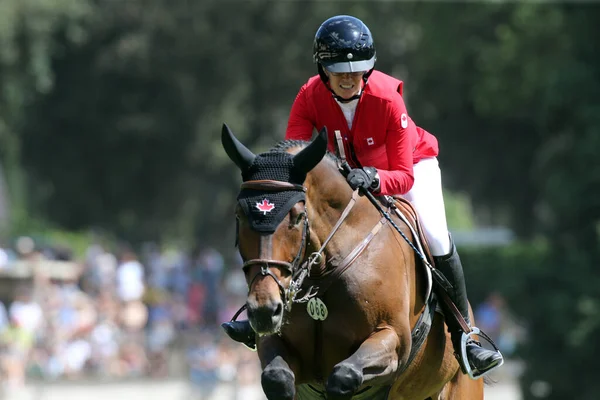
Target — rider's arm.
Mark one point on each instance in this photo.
(400, 144)
(300, 124)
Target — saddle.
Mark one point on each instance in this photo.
(406, 208)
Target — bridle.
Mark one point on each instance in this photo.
(298, 269)
(265, 248)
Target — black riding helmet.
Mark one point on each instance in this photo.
(344, 44)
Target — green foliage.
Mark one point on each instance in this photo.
(27, 45)
(459, 213)
(555, 298)
(508, 270)
(558, 68)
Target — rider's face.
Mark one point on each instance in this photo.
(346, 84)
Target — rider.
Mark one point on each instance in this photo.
(389, 153)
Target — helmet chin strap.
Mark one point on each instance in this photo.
(343, 100)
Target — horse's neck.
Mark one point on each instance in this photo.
(328, 196)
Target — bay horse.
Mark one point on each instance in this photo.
(340, 303)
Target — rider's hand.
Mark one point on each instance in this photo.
(366, 178)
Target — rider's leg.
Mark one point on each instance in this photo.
(427, 198)
(481, 360)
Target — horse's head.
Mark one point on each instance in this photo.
(273, 230)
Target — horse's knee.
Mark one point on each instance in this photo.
(344, 381)
(277, 381)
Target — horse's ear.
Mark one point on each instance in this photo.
(237, 152)
(310, 156)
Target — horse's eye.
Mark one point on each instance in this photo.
(299, 217)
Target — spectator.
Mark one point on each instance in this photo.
(27, 312)
(130, 278)
(211, 265)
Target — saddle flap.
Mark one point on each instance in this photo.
(407, 213)
(407, 209)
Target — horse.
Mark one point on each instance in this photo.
(337, 298)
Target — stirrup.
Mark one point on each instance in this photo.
(464, 361)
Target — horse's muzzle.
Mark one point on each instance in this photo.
(265, 319)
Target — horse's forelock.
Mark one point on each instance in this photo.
(289, 146)
(294, 146)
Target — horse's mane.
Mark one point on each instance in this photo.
(287, 144)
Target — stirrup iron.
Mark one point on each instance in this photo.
(463, 359)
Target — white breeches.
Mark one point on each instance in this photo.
(427, 198)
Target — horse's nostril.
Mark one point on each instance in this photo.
(279, 310)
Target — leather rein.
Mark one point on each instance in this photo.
(299, 270)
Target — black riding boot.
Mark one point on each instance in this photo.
(242, 332)
(480, 359)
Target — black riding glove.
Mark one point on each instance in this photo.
(366, 178)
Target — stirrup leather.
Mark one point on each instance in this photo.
(464, 361)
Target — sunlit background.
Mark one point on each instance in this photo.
(117, 259)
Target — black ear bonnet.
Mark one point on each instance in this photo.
(266, 209)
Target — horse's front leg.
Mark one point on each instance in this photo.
(279, 369)
(375, 362)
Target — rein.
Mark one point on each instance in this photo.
(301, 270)
(298, 270)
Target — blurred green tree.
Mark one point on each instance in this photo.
(27, 45)
(519, 132)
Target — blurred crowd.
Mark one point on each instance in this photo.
(119, 315)
(495, 318)
(122, 315)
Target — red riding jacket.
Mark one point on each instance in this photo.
(382, 134)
